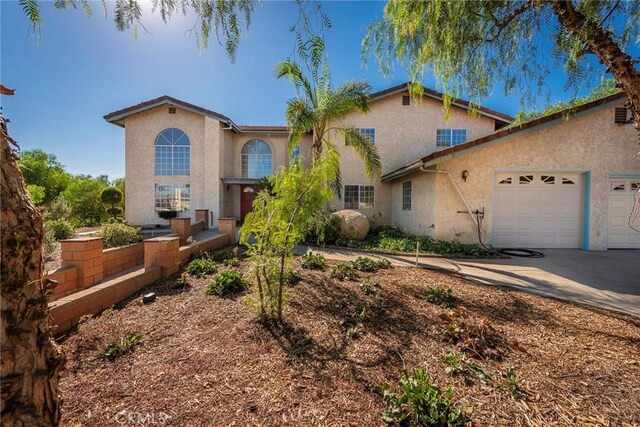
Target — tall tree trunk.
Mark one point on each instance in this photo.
(30, 360)
(601, 43)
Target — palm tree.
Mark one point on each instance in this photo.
(318, 108)
(30, 359)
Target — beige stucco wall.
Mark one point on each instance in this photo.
(215, 154)
(140, 134)
(591, 142)
(420, 220)
(403, 134)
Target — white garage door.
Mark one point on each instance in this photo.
(538, 210)
(623, 194)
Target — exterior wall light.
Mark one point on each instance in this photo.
(465, 175)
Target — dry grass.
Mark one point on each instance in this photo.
(206, 361)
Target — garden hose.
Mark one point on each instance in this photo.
(516, 252)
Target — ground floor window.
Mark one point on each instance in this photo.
(173, 197)
(359, 196)
(406, 196)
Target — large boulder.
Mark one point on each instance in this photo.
(353, 224)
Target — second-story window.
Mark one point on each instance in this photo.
(450, 137)
(256, 159)
(173, 153)
(369, 132)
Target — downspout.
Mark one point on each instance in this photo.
(464, 201)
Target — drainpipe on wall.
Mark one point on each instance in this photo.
(446, 172)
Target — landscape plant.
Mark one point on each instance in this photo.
(276, 224)
(344, 271)
(60, 229)
(112, 197)
(227, 283)
(421, 403)
(313, 261)
(440, 296)
(116, 234)
(202, 266)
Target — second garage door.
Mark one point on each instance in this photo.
(623, 229)
(538, 210)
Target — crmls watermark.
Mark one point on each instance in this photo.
(132, 418)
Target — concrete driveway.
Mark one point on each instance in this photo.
(605, 279)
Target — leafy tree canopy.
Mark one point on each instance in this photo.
(472, 45)
(43, 170)
(83, 196)
(606, 88)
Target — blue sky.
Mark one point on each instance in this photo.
(83, 68)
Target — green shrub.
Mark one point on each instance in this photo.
(421, 404)
(200, 267)
(312, 261)
(222, 255)
(344, 270)
(167, 214)
(292, 277)
(440, 296)
(48, 245)
(59, 209)
(59, 228)
(369, 286)
(116, 234)
(512, 383)
(232, 262)
(226, 283)
(369, 265)
(120, 347)
(323, 228)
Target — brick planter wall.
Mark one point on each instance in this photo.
(115, 260)
(84, 253)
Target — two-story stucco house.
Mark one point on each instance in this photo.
(550, 183)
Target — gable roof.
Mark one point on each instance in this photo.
(117, 117)
(430, 93)
(438, 156)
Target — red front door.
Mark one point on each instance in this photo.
(247, 194)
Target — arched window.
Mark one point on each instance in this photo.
(173, 153)
(256, 159)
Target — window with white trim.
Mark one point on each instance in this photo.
(359, 196)
(450, 137)
(172, 197)
(172, 153)
(256, 159)
(406, 196)
(369, 132)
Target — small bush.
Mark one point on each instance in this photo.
(312, 261)
(369, 287)
(292, 277)
(370, 265)
(226, 283)
(459, 365)
(59, 209)
(48, 245)
(344, 270)
(59, 228)
(478, 339)
(440, 296)
(222, 255)
(232, 262)
(115, 235)
(421, 404)
(201, 266)
(323, 228)
(120, 347)
(512, 384)
(167, 214)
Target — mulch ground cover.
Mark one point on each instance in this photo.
(208, 361)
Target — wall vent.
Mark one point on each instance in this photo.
(621, 115)
(172, 110)
(406, 100)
